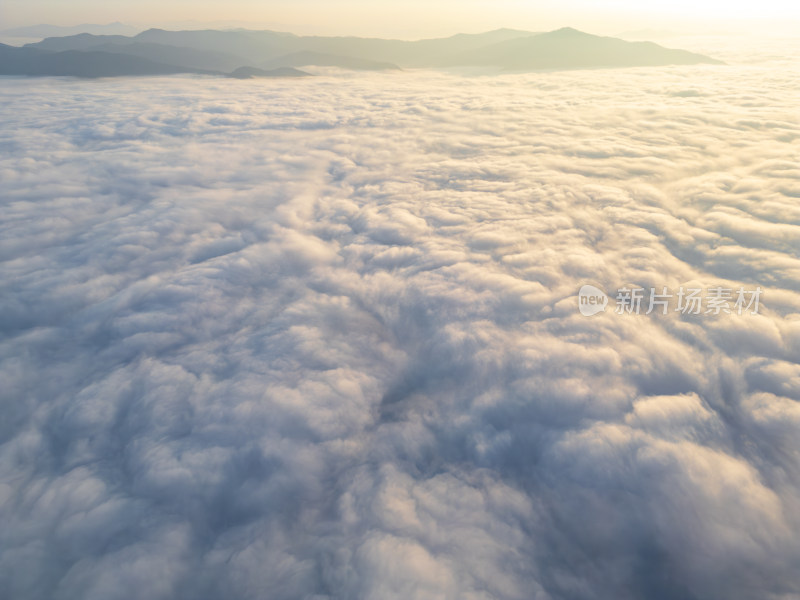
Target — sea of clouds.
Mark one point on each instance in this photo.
(320, 339)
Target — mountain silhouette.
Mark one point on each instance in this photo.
(254, 48)
(158, 52)
(180, 57)
(79, 41)
(569, 48)
(26, 61)
(43, 31)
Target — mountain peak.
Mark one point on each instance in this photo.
(567, 31)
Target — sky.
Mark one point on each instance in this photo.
(412, 18)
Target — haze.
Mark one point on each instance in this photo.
(415, 18)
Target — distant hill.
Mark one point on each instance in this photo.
(43, 31)
(572, 49)
(244, 53)
(422, 53)
(27, 61)
(252, 72)
(79, 41)
(256, 48)
(180, 57)
(175, 55)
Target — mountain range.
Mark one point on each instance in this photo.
(268, 53)
(43, 31)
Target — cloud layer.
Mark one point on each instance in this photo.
(320, 339)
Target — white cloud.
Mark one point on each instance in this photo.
(320, 339)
